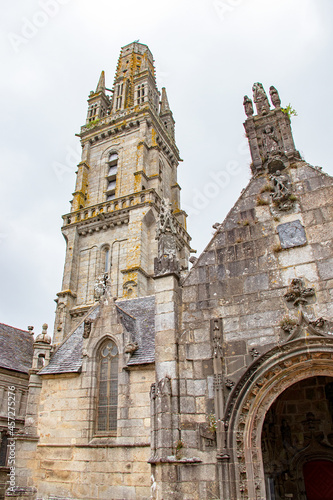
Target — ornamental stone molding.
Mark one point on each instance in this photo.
(268, 377)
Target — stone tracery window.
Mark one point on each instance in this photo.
(107, 404)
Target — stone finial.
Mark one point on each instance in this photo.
(101, 83)
(248, 106)
(298, 293)
(43, 337)
(275, 98)
(31, 329)
(260, 99)
(164, 102)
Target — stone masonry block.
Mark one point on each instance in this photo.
(326, 269)
(187, 404)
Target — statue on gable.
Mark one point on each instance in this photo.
(248, 106)
(260, 99)
(275, 98)
(282, 191)
(269, 140)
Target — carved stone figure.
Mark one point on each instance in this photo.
(254, 353)
(217, 341)
(269, 140)
(131, 347)
(275, 98)
(165, 221)
(248, 106)
(101, 285)
(87, 328)
(229, 383)
(153, 391)
(318, 323)
(260, 99)
(166, 234)
(282, 190)
(164, 387)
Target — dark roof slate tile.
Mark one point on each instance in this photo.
(16, 349)
(138, 318)
(68, 357)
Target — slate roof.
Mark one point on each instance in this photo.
(137, 317)
(16, 349)
(142, 329)
(68, 357)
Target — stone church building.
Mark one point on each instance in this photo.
(167, 383)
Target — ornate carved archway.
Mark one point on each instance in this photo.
(268, 377)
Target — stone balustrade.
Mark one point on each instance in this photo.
(115, 212)
(116, 206)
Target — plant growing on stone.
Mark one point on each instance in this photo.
(267, 189)
(289, 110)
(212, 422)
(93, 123)
(179, 446)
(288, 324)
(261, 201)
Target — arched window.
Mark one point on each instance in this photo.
(105, 259)
(107, 403)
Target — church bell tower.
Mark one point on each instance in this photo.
(128, 171)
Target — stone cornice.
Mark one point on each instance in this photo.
(134, 270)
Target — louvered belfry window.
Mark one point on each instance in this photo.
(107, 388)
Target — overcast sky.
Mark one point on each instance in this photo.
(208, 53)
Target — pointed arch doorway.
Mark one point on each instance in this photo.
(297, 442)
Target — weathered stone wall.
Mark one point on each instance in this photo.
(20, 382)
(72, 463)
(243, 274)
(242, 277)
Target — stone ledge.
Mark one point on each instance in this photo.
(173, 460)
